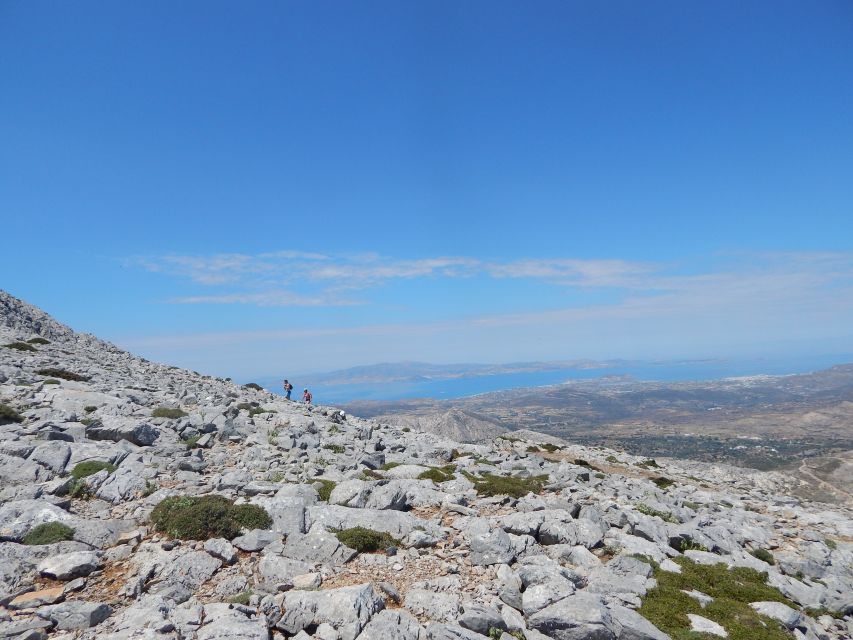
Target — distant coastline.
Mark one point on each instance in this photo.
(403, 381)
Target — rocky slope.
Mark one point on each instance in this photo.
(523, 537)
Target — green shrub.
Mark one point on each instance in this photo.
(513, 486)
(335, 448)
(247, 406)
(90, 408)
(533, 449)
(80, 490)
(662, 482)
(583, 463)
(51, 372)
(90, 468)
(51, 381)
(648, 464)
(326, 488)
(691, 505)
(38, 341)
(366, 540)
(600, 476)
(437, 475)
(551, 448)
(168, 412)
(831, 544)
(8, 414)
(663, 515)
(370, 474)
(204, 517)
(612, 459)
(20, 346)
(192, 441)
(764, 555)
(251, 516)
(48, 533)
(684, 544)
(254, 385)
(406, 429)
(241, 598)
(390, 465)
(666, 606)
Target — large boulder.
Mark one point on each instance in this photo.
(347, 609)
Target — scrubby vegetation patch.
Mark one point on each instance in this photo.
(20, 346)
(514, 486)
(8, 414)
(38, 341)
(90, 468)
(366, 540)
(168, 412)
(763, 555)
(204, 517)
(52, 372)
(667, 606)
(48, 533)
(439, 474)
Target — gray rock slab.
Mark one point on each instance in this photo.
(396, 624)
(66, 566)
(494, 547)
(347, 609)
(319, 547)
(255, 540)
(578, 617)
(789, 617)
(225, 622)
(75, 614)
(634, 626)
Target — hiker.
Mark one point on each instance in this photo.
(306, 396)
(287, 389)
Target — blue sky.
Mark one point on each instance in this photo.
(255, 188)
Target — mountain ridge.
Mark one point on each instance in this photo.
(528, 534)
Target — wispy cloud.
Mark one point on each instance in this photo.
(312, 279)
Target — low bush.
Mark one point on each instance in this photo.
(90, 468)
(667, 606)
(685, 544)
(8, 414)
(648, 464)
(612, 459)
(192, 441)
(439, 474)
(764, 555)
(390, 465)
(48, 533)
(551, 448)
(649, 511)
(51, 381)
(662, 482)
(168, 412)
(38, 341)
(20, 346)
(366, 540)
(326, 488)
(513, 486)
(51, 372)
(241, 598)
(254, 385)
(204, 517)
(335, 448)
(90, 408)
(247, 406)
(533, 449)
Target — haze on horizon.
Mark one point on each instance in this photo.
(302, 187)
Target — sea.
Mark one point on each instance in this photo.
(670, 371)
